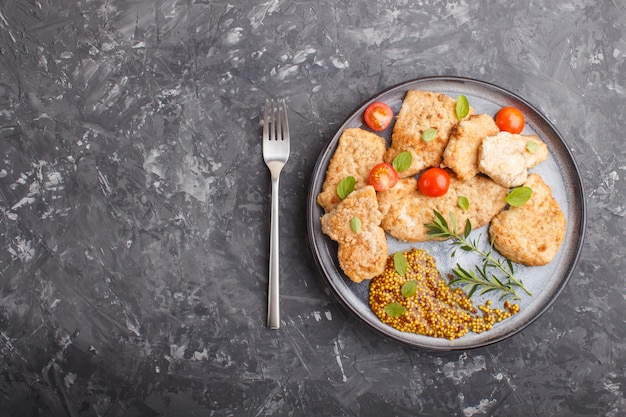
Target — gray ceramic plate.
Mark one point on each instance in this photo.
(545, 283)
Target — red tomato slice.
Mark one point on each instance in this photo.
(434, 182)
(510, 119)
(383, 176)
(378, 116)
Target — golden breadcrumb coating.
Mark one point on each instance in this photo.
(461, 153)
(357, 152)
(420, 111)
(406, 210)
(362, 255)
(532, 233)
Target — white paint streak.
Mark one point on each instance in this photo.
(340, 62)
(54, 181)
(133, 325)
(191, 179)
(258, 13)
(301, 56)
(233, 36)
(22, 202)
(177, 352)
(482, 408)
(69, 379)
(458, 372)
(104, 183)
(285, 72)
(198, 356)
(338, 358)
(42, 177)
(22, 249)
(6, 25)
(608, 190)
(150, 164)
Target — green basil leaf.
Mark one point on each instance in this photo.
(462, 107)
(409, 288)
(519, 196)
(463, 202)
(346, 186)
(355, 225)
(400, 264)
(532, 146)
(429, 134)
(394, 309)
(402, 161)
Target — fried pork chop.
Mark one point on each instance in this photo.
(405, 210)
(357, 152)
(532, 233)
(420, 111)
(506, 158)
(362, 255)
(461, 153)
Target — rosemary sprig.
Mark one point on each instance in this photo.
(487, 282)
(484, 280)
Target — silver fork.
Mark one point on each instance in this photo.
(275, 155)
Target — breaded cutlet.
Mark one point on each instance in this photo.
(357, 152)
(461, 153)
(420, 111)
(530, 234)
(362, 255)
(506, 157)
(406, 211)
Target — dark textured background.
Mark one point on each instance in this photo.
(135, 206)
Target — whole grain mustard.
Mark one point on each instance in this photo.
(435, 309)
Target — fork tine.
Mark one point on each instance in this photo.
(277, 121)
(285, 125)
(266, 127)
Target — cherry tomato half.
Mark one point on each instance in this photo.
(434, 182)
(510, 119)
(378, 116)
(383, 176)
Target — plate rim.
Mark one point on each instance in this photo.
(579, 199)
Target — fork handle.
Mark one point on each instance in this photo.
(273, 294)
